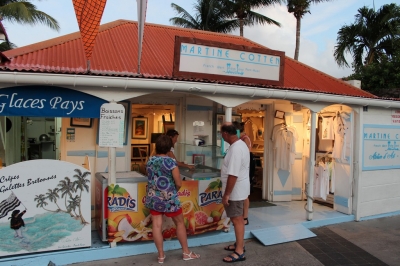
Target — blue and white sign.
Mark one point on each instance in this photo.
(48, 101)
(381, 147)
(226, 62)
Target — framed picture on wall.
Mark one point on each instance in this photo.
(139, 127)
(81, 122)
(198, 159)
(140, 151)
(168, 126)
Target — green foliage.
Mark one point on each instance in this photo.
(222, 15)
(22, 12)
(373, 36)
(380, 77)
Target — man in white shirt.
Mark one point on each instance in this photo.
(236, 187)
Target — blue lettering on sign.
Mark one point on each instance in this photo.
(234, 70)
(211, 197)
(381, 147)
(210, 52)
(48, 101)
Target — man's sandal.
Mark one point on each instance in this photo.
(161, 260)
(234, 259)
(191, 256)
(233, 248)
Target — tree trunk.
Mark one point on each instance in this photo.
(83, 221)
(297, 49)
(241, 25)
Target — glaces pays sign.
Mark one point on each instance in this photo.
(48, 101)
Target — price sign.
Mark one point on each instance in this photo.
(112, 125)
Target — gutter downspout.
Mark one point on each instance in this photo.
(252, 93)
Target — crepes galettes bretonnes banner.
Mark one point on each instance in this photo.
(129, 220)
(52, 198)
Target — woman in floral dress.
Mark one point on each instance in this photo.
(162, 197)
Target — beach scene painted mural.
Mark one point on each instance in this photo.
(44, 206)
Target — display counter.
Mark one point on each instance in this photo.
(122, 217)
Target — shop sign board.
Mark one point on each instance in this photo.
(112, 125)
(48, 101)
(396, 117)
(223, 61)
(56, 197)
(201, 206)
(381, 147)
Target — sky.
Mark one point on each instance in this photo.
(318, 29)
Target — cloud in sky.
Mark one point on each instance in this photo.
(318, 29)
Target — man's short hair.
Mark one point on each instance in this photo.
(172, 133)
(229, 128)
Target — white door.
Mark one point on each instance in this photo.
(343, 169)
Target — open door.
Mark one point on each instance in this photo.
(344, 169)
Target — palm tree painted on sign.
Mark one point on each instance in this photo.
(81, 183)
(373, 35)
(209, 16)
(66, 188)
(24, 12)
(73, 203)
(299, 8)
(242, 11)
(52, 195)
(41, 202)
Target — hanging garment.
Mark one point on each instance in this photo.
(323, 144)
(284, 145)
(327, 128)
(321, 181)
(338, 129)
(332, 177)
(346, 151)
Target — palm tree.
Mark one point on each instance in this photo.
(242, 11)
(24, 12)
(209, 16)
(66, 188)
(374, 34)
(41, 199)
(81, 184)
(73, 203)
(52, 195)
(5, 42)
(299, 8)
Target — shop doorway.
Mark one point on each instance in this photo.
(29, 138)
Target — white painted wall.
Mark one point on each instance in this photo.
(379, 190)
(207, 134)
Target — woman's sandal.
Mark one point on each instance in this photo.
(228, 248)
(246, 221)
(234, 259)
(161, 260)
(195, 256)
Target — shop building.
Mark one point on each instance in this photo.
(313, 135)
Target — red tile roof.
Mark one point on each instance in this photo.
(116, 54)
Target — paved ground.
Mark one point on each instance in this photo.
(372, 242)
